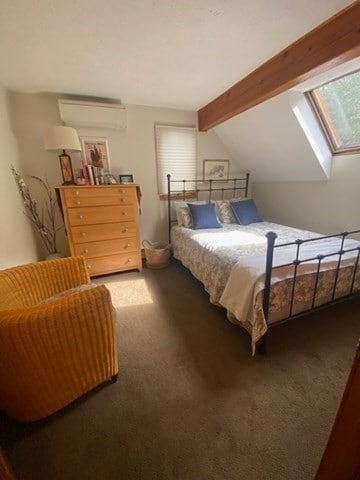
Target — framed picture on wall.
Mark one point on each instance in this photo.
(216, 169)
(96, 152)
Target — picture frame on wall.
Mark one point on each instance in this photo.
(96, 152)
(126, 178)
(216, 170)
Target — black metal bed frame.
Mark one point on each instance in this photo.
(241, 184)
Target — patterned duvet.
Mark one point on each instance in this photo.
(230, 263)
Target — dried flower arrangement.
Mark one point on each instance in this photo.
(45, 224)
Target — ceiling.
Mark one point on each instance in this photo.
(167, 53)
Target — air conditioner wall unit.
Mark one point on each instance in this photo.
(78, 113)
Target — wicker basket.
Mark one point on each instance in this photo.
(157, 254)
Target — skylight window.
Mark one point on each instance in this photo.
(337, 105)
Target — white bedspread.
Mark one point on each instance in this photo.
(230, 262)
(249, 272)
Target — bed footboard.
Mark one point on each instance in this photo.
(343, 255)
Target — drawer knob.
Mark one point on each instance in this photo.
(122, 200)
(78, 202)
(128, 245)
(89, 266)
(128, 260)
(81, 216)
(124, 213)
(83, 234)
(76, 192)
(125, 230)
(85, 250)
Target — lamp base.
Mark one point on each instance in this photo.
(66, 169)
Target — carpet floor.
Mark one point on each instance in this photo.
(191, 403)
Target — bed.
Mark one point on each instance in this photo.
(262, 273)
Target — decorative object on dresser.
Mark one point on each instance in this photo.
(96, 152)
(102, 223)
(110, 179)
(61, 139)
(126, 178)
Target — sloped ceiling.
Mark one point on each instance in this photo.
(268, 140)
(168, 53)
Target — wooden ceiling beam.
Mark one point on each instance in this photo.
(332, 43)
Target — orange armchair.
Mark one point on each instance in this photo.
(52, 350)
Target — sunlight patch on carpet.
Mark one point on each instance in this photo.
(129, 293)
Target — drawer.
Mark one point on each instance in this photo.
(107, 231)
(109, 247)
(95, 201)
(110, 214)
(113, 263)
(100, 192)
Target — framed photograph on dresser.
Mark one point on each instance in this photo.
(126, 178)
(96, 152)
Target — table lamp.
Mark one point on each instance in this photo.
(61, 139)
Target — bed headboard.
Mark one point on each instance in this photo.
(208, 190)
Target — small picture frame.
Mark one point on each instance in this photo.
(126, 178)
(96, 152)
(216, 170)
(110, 179)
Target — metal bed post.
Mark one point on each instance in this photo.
(296, 263)
(169, 206)
(247, 184)
(341, 252)
(271, 237)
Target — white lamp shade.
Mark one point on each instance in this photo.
(60, 138)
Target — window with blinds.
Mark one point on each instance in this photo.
(175, 154)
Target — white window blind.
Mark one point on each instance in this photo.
(175, 154)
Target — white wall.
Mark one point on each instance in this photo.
(326, 207)
(131, 150)
(269, 142)
(286, 179)
(17, 240)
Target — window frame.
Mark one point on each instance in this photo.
(325, 121)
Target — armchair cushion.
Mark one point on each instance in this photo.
(71, 291)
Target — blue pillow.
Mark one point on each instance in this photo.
(245, 212)
(203, 216)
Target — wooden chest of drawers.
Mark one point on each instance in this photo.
(102, 224)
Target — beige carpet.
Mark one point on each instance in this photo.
(191, 403)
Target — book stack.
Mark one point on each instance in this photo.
(92, 175)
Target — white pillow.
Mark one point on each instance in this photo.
(183, 214)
